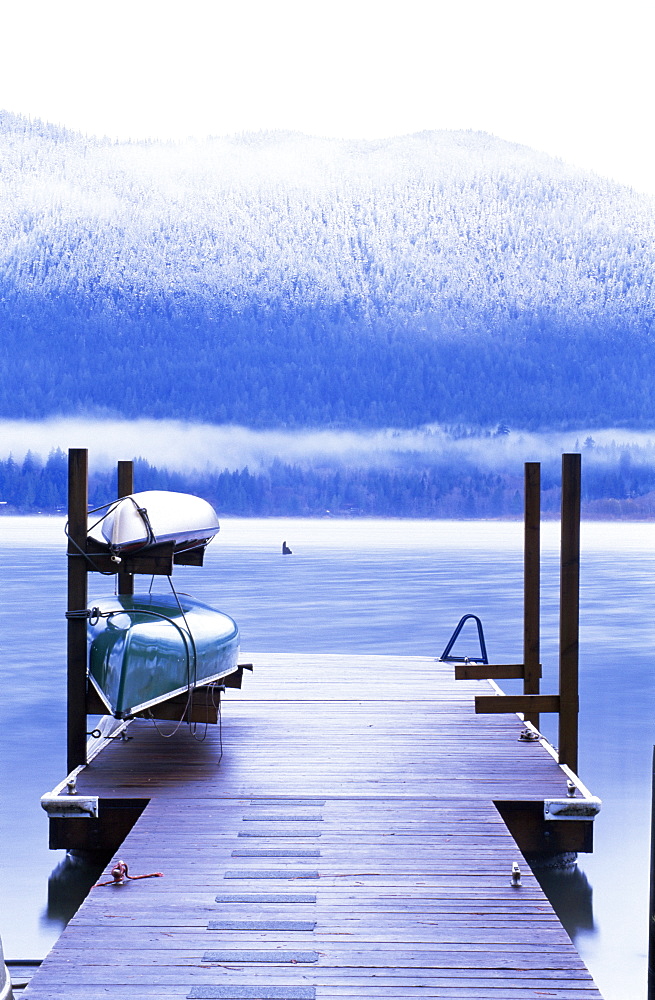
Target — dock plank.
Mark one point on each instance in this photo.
(364, 787)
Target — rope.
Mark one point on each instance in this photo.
(210, 701)
(85, 555)
(93, 616)
(120, 872)
(191, 681)
(97, 734)
(193, 643)
(109, 508)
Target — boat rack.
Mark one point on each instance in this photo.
(531, 702)
(87, 555)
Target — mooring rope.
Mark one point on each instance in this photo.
(120, 872)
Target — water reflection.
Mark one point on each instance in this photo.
(381, 587)
(571, 895)
(68, 887)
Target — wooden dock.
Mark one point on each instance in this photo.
(346, 844)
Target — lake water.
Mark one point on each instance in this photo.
(387, 586)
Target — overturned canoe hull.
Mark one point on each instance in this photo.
(145, 649)
(144, 519)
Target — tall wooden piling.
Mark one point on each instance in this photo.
(531, 703)
(569, 611)
(651, 908)
(77, 601)
(531, 584)
(125, 488)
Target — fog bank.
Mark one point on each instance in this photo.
(184, 447)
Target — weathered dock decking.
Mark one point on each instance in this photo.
(346, 845)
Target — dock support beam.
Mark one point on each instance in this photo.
(531, 703)
(78, 570)
(651, 908)
(78, 492)
(531, 584)
(569, 612)
(125, 489)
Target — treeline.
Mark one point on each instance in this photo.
(262, 367)
(278, 280)
(435, 491)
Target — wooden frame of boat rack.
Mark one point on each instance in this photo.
(531, 702)
(85, 556)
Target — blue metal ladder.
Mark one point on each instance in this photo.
(482, 658)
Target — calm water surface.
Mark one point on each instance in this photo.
(375, 586)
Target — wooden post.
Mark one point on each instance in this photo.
(569, 612)
(78, 492)
(651, 909)
(531, 584)
(125, 487)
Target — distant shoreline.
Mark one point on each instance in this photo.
(587, 514)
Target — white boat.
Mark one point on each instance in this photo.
(155, 516)
(5, 979)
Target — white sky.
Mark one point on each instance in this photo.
(571, 77)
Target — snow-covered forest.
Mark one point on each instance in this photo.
(470, 479)
(279, 281)
(276, 280)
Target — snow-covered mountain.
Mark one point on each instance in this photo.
(279, 279)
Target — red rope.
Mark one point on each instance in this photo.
(120, 872)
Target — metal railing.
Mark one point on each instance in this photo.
(482, 658)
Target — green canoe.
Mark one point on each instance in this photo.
(144, 649)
